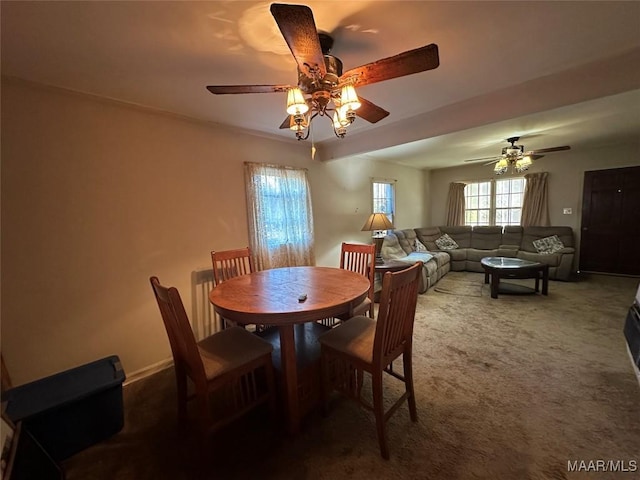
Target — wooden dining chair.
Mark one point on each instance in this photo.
(360, 258)
(233, 363)
(365, 345)
(229, 264)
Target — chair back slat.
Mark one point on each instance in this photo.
(183, 343)
(396, 313)
(231, 263)
(359, 258)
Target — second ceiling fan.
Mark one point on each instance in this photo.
(515, 157)
(323, 88)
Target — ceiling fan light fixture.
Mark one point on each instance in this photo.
(296, 103)
(501, 166)
(523, 164)
(340, 118)
(323, 86)
(339, 127)
(298, 122)
(349, 99)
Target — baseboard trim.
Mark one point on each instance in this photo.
(148, 371)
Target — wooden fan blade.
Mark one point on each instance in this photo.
(233, 89)
(547, 150)
(406, 63)
(299, 31)
(286, 123)
(483, 158)
(370, 111)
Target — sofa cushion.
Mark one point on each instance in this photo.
(475, 255)
(458, 254)
(486, 238)
(461, 235)
(429, 267)
(428, 237)
(406, 239)
(551, 244)
(531, 234)
(442, 258)
(445, 242)
(391, 249)
(553, 259)
(512, 235)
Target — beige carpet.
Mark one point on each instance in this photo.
(457, 285)
(507, 388)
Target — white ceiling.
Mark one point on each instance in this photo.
(556, 73)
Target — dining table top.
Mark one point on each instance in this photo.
(274, 295)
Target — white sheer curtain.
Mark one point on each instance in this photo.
(280, 215)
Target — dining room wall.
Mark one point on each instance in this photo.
(98, 195)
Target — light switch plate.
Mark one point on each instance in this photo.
(567, 211)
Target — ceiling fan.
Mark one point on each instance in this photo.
(515, 157)
(323, 88)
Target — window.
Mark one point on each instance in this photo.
(508, 209)
(494, 202)
(384, 197)
(477, 200)
(280, 215)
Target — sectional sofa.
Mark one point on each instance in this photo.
(475, 243)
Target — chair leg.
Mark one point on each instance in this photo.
(408, 384)
(271, 386)
(378, 410)
(325, 386)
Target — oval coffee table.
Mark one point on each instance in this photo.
(507, 267)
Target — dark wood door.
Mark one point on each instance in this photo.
(610, 230)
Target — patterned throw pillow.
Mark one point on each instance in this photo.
(548, 245)
(420, 247)
(445, 242)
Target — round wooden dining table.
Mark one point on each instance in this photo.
(273, 297)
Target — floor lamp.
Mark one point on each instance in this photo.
(377, 221)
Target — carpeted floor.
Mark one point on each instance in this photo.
(507, 388)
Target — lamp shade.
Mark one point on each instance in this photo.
(377, 221)
(296, 104)
(349, 99)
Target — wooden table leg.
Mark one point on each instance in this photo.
(290, 377)
(545, 280)
(495, 283)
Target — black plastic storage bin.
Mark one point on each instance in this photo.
(71, 410)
